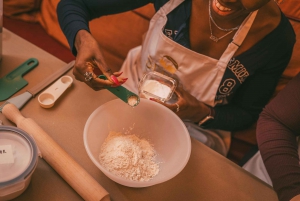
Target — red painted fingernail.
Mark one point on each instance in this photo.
(123, 81)
(114, 78)
(153, 99)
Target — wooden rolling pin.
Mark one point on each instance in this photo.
(84, 184)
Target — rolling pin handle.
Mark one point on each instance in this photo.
(58, 158)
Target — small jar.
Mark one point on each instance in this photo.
(158, 86)
(18, 160)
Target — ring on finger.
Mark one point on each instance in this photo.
(89, 64)
(178, 108)
(88, 76)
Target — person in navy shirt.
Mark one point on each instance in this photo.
(227, 54)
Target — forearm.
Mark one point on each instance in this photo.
(74, 15)
(278, 147)
(230, 118)
(86, 44)
(249, 100)
(277, 129)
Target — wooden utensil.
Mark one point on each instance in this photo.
(84, 184)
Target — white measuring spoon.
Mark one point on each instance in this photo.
(51, 94)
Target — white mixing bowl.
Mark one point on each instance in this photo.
(150, 120)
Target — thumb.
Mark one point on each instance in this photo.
(107, 72)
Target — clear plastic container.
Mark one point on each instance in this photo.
(1, 27)
(18, 160)
(158, 86)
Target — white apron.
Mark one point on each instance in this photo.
(198, 74)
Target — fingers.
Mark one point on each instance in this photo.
(178, 92)
(175, 107)
(97, 83)
(85, 73)
(106, 71)
(114, 77)
(115, 80)
(117, 74)
(175, 102)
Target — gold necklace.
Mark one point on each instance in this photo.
(212, 19)
(215, 38)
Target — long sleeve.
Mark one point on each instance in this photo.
(277, 129)
(265, 63)
(74, 15)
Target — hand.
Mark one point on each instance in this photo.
(89, 59)
(187, 106)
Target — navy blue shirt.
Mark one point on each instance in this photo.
(249, 79)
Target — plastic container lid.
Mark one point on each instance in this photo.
(18, 156)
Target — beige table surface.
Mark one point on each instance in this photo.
(208, 176)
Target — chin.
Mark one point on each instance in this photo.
(227, 13)
(221, 12)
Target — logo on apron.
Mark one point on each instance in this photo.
(238, 70)
(166, 65)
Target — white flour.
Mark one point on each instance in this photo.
(128, 156)
(157, 88)
(132, 101)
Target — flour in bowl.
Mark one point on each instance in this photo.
(129, 156)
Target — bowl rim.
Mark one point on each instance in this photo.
(130, 183)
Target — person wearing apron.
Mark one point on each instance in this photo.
(200, 75)
(205, 81)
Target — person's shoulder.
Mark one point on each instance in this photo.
(270, 19)
(285, 30)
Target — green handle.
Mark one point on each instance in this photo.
(121, 92)
(22, 69)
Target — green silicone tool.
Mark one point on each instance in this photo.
(124, 94)
(13, 81)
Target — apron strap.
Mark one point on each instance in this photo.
(246, 25)
(238, 39)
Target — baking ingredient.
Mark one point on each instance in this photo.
(129, 156)
(156, 88)
(133, 101)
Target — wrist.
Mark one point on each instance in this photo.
(208, 118)
(80, 37)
